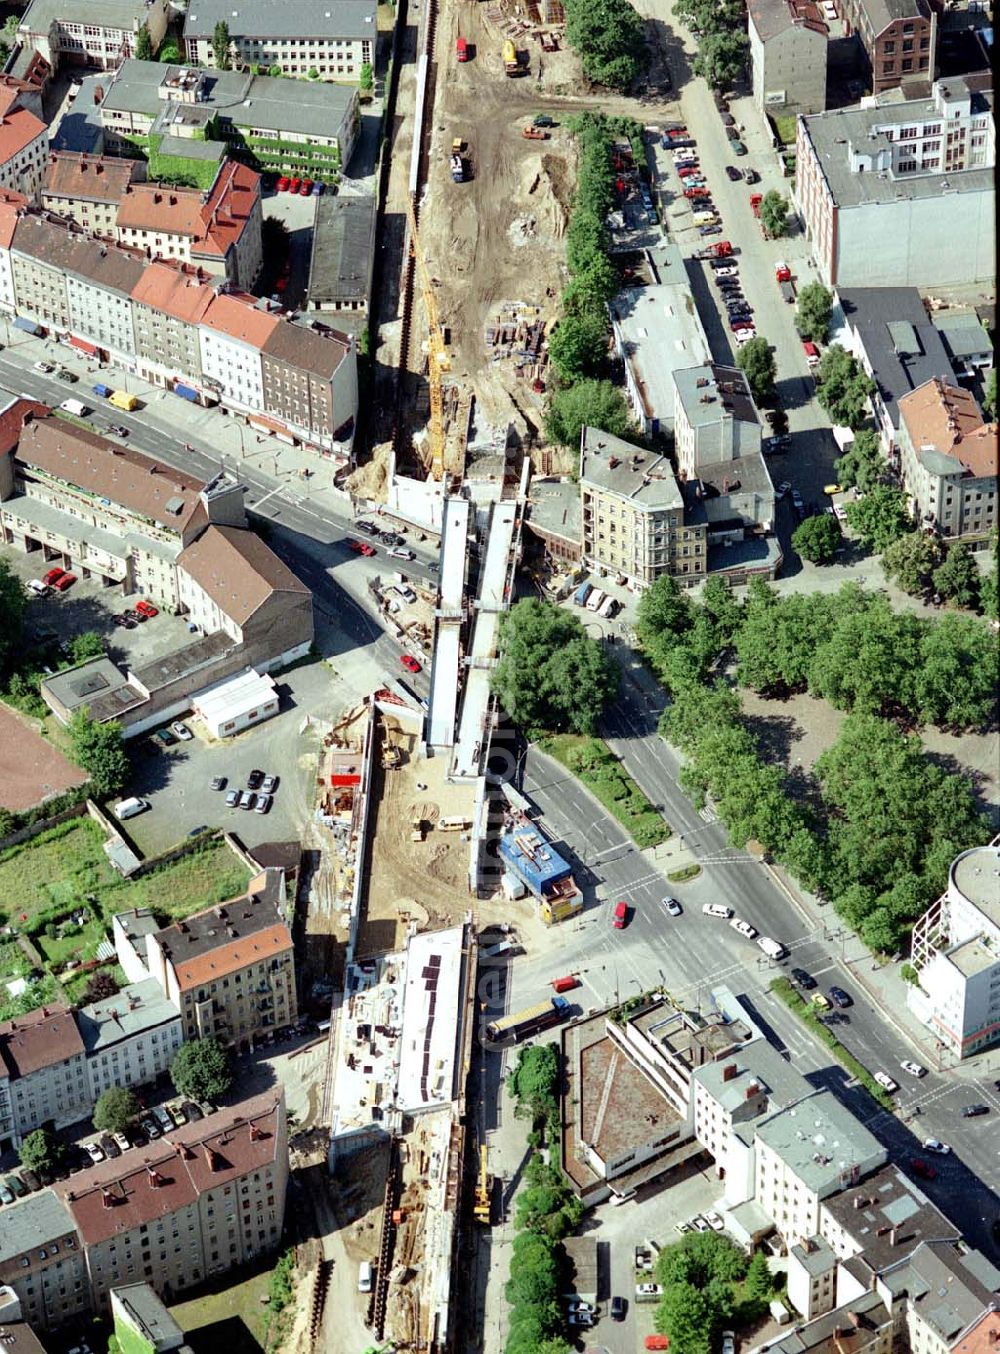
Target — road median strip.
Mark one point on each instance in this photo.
(784, 991)
(593, 763)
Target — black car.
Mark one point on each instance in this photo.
(255, 780)
(973, 1111)
(118, 430)
(617, 1309)
(751, 175)
(70, 377)
(109, 1147)
(31, 1180)
(542, 120)
(839, 997)
(192, 1111)
(805, 980)
(733, 174)
(366, 528)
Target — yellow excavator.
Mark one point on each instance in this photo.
(482, 1207)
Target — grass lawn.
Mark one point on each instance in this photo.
(785, 129)
(595, 764)
(232, 1317)
(82, 944)
(64, 865)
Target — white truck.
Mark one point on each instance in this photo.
(75, 407)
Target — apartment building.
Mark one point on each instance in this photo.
(313, 39)
(900, 193)
(633, 513)
(898, 37)
(97, 33)
(42, 1261)
(11, 205)
(232, 337)
(129, 1039)
(316, 129)
(956, 952)
(230, 969)
(788, 50)
(218, 231)
(184, 1211)
(44, 1060)
(307, 383)
(169, 302)
(24, 144)
(805, 1153)
(88, 189)
(948, 460)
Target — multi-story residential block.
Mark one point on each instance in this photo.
(39, 286)
(633, 513)
(101, 33)
(334, 41)
(956, 952)
(889, 333)
(89, 188)
(218, 231)
(169, 302)
(788, 49)
(130, 1038)
(716, 420)
(230, 969)
(44, 1059)
(948, 460)
(312, 133)
(307, 384)
(11, 205)
(900, 194)
(232, 337)
(42, 1260)
(207, 1201)
(898, 37)
(24, 144)
(803, 1154)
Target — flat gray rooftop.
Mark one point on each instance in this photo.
(343, 241)
(709, 392)
(661, 331)
(278, 19)
(977, 876)
(644, 478)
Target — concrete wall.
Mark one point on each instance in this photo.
(794, 63)
(937, 241)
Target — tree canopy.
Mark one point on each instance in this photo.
(910, 561)
(818, 538)
(588, 403)
(39, 1151)
(100, 750)
(957, 577)
(722, 56)
(756, 360)
(201, 1070)
(221, 45)
(697, 1275)
(552, 676)
(813, 312)
(843, 388)
(578, 346)
(990, 395)
(115, 1110)
(143, 45)
(881, 517)
(862, 465)
(610, 38)
(774, 213)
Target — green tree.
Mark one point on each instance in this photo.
(143, 45)
(39, 1151)
(586, 239)
(866, 662)
(546, 1204)
(988, 394)
(759, 1280)
(534, 1080)
(578, 346)
(664, 607)
(221, 46)
(88, 645)
(100, 750)
(911, 560)
(957, 577)
(722, 56)
(725, 610)
(366, 78)
(989, 590)
(170, 53)
(818, 538)
(843, 388)
(881, 517)
(201, 1070)
(551, 675)
(813, 312)
(593, 287)
(593, 404)
(862, 465)
(8, 34)
(610, 37)
(686, 1316)
(954, 682)
(13, 605)
(115, 1110)
(756, 360)
(696, 708)
(774, 214)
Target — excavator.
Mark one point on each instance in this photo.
(482, 1205)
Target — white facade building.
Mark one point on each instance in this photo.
(956, 952)
(231, 365)
(131, 1038)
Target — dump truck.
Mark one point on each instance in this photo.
(511, 64)
(535, 133)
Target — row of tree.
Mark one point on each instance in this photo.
(708, 1284)
(720, 28)
(579, 344)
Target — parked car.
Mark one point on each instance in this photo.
(709, 230)
(751, 176)
(6, 1195)
(182, 731)
(914, 1069)
(109, 1146)
(31, 1180)
(409, 662)
(45, 367)
(118, 430)
(192, 1111)
(744, 928)
(657, 1342)
(121, 1142)
(147, 608)
(232, 799)
(70, 377)
(247, 799)
(64, 582)
(306, 187)
(923, 1168)
(255, 779)
(733, 174)
(935, 1145)
(738, 148)
(672, 907)
(820, 1001)
(283, 183)
(294, 184)
(361, 548)
(886, 1082)
(619, 916)
(715, 1221)
(95, 1151)
(699, 1224)
(218, 783)
(269, 784)
(839, 997)
(973, 1111)
(263, 804)
(618, 1308)
(16, 1186)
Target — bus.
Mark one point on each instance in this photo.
(523, 1024)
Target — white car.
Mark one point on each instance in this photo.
(39, 588)
(181, 731)
(782, 489)
(401, 552)
(797, 498)
(717, 910)
(728, 1342)
(715, 1221)
(648, 1290)
(122, 1142)
(743, 336)
(95, 1151)
(745, 929)
(46, 367)
(886, 1082)
(671, 906)
(914, 1069)
(933, 1145)
(578, 1305)
(728, 270)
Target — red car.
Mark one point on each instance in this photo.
(407, 660)
(66, 581)
(294, 185)
(146, 609)
(657, 1342)
(52, 577)
(696, 192)
(283, 183)
(307, 187)
(923, 1168)
(620, 915)
(360, 548)
(687, 171)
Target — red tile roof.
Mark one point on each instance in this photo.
(148, 1183)
(947, 418)
(175, 289)
(231, 957)
(11, 204)
(240, 320)
(18, 127)
(214, 225)
(39, 1039)
(90, 178)
(12, 421)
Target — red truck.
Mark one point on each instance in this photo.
(755, 201)
(462, 49)
(720, 250)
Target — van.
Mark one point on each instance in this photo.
(771, 947)
(705, 218)
(596, 599)
(75, 407)
(608, 608)
(121, 399)
(128, 808)
(717, 910)
(364, 1277)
